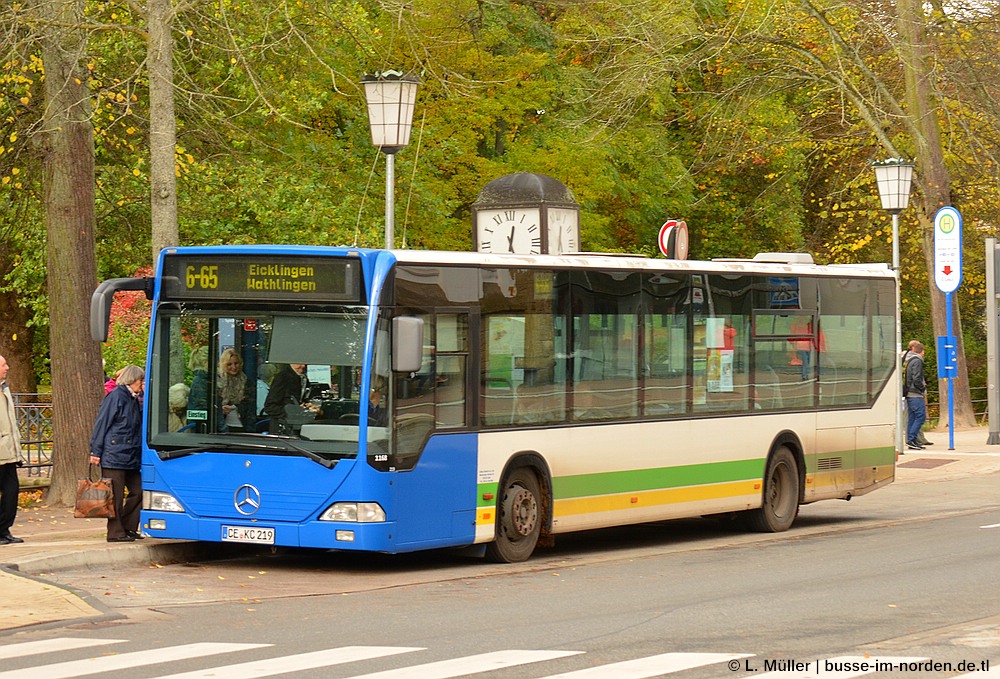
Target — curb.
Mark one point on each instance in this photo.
(164, 552)
(104, 612)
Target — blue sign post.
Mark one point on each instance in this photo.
(947, 277)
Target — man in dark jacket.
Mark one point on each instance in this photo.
(915, 392)
(116, 445)
(289, 387)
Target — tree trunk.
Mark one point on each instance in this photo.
(935, 182)
(162, 126)
(70, 220)
(16, 338)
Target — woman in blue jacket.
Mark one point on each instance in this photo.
(116, 445)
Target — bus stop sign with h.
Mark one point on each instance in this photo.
(947, 277)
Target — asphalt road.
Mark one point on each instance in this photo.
(907, 575)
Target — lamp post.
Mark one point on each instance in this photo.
(894, 177)
(390, 96)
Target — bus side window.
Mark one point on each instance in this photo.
(451, 359)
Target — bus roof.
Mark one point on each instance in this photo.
(766, 263)
(769, 263)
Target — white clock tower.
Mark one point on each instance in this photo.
(526, 214)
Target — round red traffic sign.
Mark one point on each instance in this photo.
(673, 239)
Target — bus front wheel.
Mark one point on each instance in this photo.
(519, 518)
(781, 495)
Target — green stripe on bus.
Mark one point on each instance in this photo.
(874, 457)
(635, 480)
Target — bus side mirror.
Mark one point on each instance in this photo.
(407, 344)
(100, 302)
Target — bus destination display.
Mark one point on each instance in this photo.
(274, 277)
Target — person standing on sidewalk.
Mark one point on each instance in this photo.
(116, 445)
(915, 391)
(10, 455)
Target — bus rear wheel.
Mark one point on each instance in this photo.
(519, 518)
(781, 495)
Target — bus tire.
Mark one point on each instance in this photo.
(781, 495)
(519, 518)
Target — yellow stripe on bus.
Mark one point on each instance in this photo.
(639, 499)
(654, 498)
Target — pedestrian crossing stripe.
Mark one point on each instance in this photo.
(122, 661)
(473, 664)
(653, 666)
(51, 646)
(294, 663)
(842, 667)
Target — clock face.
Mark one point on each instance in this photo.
(564, 230)
(509, 231)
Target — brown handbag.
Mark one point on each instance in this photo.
(94, 499)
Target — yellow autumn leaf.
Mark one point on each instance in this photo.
(13, 137)
(136, 172)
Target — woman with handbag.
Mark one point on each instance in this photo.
(116, 445)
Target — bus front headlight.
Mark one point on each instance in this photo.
(356, 512)
(160, 502)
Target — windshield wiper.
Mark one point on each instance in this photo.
(287, 447)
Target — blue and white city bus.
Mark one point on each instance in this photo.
(520, 396)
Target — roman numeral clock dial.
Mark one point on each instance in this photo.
(563, 230)
(514, 231)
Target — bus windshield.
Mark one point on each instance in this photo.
(278, 382)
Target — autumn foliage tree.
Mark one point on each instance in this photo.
(754, 122)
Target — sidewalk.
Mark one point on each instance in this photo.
(54, 540)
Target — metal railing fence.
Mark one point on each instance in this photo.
(34, 420)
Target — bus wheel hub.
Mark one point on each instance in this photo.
(522, 510)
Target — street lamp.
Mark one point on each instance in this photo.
(390, 96)
(893, 177)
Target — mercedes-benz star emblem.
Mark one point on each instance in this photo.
(247, 499)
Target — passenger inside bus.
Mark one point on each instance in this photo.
(286, 402)
(376, 406)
